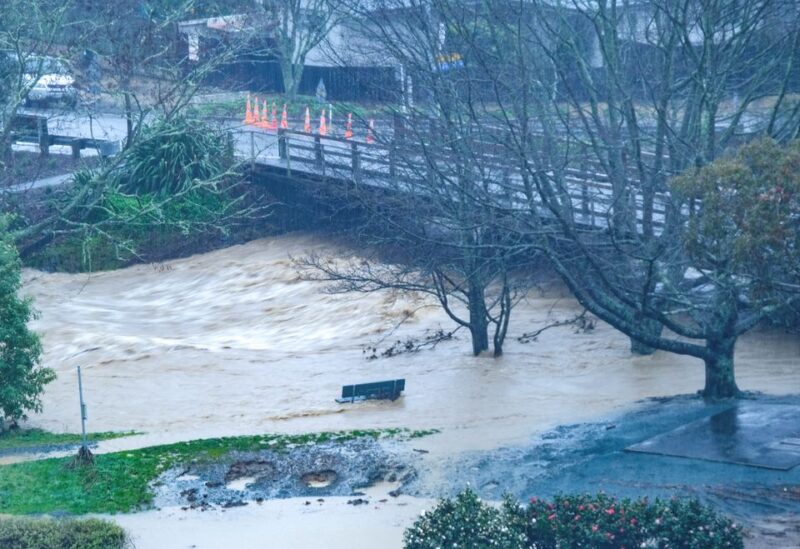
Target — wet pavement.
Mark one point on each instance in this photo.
(592, 457)
(748, 433)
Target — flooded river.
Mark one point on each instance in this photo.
(234, 342)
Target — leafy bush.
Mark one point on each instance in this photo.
(464, 522)
(597, 521)
(171, 156)
(22, 380)
(19, 533)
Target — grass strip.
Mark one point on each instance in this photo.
(21, 439)
(120, 482)
(234, 108)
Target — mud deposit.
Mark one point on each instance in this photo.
(313, 471)
(591, 457)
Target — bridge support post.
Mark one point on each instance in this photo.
(76, 149)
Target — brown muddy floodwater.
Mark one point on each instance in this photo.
(233, 342)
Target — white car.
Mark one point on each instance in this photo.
(52, 81)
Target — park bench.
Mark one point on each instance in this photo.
(378, 390)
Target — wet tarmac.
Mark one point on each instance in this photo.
(747, 433)
(592, 457)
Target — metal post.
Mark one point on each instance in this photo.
(84, 443)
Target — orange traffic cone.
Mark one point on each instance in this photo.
(273, 123)
(307, 124)
(323, 126)
(256, 116)
(285, 118)
(248, 112)
(264, 123)
(348, 128)
(371, 131)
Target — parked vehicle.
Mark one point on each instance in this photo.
(52, 80)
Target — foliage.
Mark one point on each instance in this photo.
(121, 481)
(19, 439)
(596, 521)
(173, 155)
(748, 219)
(30, 533)
(21, 378)
(172, 188)
(603, 522)
(463, 522)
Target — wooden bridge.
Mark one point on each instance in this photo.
(396, 164)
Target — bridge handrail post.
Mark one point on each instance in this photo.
(319, 157)
(355, 161)
(252, 150)
(283, 152)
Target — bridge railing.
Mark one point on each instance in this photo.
(394, 162)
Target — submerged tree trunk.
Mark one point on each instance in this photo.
(720, 378)
(653, 328)
(478, 319)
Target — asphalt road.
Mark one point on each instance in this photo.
(81, 122)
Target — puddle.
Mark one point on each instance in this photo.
(320, 479)
(240, 484)
(187, 477)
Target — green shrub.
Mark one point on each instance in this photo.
(596, 521)
(28, 533)
(171, 156)
(464, 522)
(22, 379)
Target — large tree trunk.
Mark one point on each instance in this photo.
(291, 78)
(478, 319)
(720, 379)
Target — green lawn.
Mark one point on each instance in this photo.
(119, 482)
(32, 438)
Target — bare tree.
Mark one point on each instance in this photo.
(295, 28)
(29, 32)
(428, 219)
(594, 107)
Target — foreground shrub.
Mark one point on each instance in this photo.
(597, 521)
(464, 522)
(26, 533)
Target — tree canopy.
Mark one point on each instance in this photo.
(21, 378)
